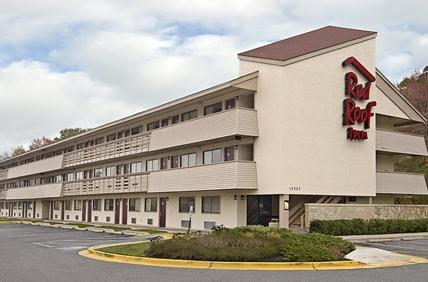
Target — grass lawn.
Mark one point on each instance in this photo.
(80, 225)
(115, 228)
(130, 250)
(150, 231)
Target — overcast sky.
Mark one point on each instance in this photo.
(84, 63)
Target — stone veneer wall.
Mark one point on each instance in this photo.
(364, 211)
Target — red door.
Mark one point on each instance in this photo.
(124, 211)
(116, 211)
(51, 210)
(89, 210)
(83, 210)
(34, 209)
(162, 212)
(24, 211)
(62, 210)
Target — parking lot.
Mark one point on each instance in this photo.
(44, 254)
(412, 247)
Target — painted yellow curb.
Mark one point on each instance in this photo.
(93, 253)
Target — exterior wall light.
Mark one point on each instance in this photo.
(235, 197)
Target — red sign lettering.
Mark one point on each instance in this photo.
(352, 113)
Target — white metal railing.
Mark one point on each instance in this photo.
(3, 174)
(107, 185)
(118, 148)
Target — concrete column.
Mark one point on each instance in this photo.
(283, 214)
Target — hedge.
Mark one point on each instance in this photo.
(359, 226)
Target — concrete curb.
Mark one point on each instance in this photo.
(385, 237)
(94, 253)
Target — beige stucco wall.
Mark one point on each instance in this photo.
(350, 211)
(299, 108)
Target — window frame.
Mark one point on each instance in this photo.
(107, 206)
(186, 204)
(136, 205)
(77, 205)
(211, 204)
(189, 115)
(213, 108)
(152, 200)
(212, 156)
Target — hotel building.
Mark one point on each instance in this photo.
(309, 119)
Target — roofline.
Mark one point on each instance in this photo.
(397, 91)
(308, 55)
(207, 91)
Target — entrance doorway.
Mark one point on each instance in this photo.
(116, 211)
(261, 209)
(89, 211)
(124, 211)
(83, 210)
(45, 209)
(162, 212)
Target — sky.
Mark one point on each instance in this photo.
(84, 63)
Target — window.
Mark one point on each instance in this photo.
(110, 171)
(152, 125)
(96, 205)
(88, 174)
(127, 132)
(79, 175)
(174, 161)
(214, 108)
(136, 167)
(164, 163)
(80, 146)
(230, 103)
(108, 204)
(120, 135)
(57, 205)
(99, 140)
(30, 206)
(175, 119)
(212, 156)
(98, 172)
(151, 205)
(189, 115)
(188, 160)
(70, 177)
(135, 204)
(211, 204)
(185, 203)
(111, 137)
(136, 130)
(77, 205)
(68, 205)
(165, 122)
(152, 165)
(122, 169)
(229, 153)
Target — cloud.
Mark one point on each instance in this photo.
(36, 100)
(125, 56)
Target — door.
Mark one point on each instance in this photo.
(162, 212)
(117, 211)
(34, 209)
(51, 204)
(24, 209)
(89, 210)
(10, 209)
(62, 210)
(83, 210)
(260, 209)
(124, 211)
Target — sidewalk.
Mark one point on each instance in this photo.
(385, 237)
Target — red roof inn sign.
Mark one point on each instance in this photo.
(355, 91)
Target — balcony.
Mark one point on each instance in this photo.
(402, 143)
(107, 185)
(3, 174)
(3, 194)
(41, 166)
(52, 190)
(119, 148)
(221, 176)
(237, 121)
(400, 183)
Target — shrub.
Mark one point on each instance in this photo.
(251, 243)
(373, 226)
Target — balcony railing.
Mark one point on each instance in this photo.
(52, 190)
(220, 176)
(41, 166)
(3, 174)
(238, 121)
(400, 183)
(3, 194)
(118, 148)
(398, 142)
(107, 185)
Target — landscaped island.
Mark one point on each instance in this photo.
(249, 244)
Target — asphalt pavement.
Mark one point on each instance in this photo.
(44, 254)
